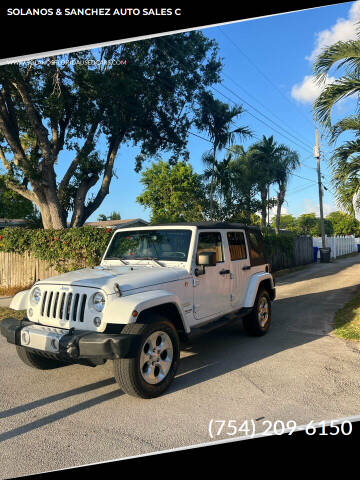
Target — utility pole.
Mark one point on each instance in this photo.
(317, 156)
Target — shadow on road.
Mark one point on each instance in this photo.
(59, 415)
(318, 270)
(296, 321)
(54, 398)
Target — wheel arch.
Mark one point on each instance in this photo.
(169, 310)
(259, 280)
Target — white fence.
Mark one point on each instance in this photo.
(339, 245)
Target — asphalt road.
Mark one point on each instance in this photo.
(298, 371)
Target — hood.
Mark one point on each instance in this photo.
(128, 277)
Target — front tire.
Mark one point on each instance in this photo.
(37, 361)
(257, 323)
(152, 370)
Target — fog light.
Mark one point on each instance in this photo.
(25, 338)
(31, 311)
(97, 321)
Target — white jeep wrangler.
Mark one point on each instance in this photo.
(155, 285)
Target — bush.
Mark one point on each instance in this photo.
(283, 242)
(66, 250)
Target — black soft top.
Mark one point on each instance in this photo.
(203, 225)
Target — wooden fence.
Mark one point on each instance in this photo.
(303, 254)
(22, 270)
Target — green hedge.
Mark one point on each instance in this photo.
(66, 249)
(69, 249)
(283, 242)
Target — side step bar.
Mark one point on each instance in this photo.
(221, 322)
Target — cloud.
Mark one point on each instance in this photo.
(344, 29)
(284, 211)
(309, 206)
(308, 90)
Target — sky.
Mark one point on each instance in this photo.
(267, 67)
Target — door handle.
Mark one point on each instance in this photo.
(224, 272)
(247, 267)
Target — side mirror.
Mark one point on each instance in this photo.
(205, 259)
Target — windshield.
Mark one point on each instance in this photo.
(150, 244)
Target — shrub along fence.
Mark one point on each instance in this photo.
(287, 250)
(27, 255)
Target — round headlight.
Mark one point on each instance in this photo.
(98, 301)
(36, 296)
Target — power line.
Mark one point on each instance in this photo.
(259, 119)
(269, 119)
(251, 106)
(297, 137)
(262, 73)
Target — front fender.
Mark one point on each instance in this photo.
(253, 286)
(20, 300)
(120, 309)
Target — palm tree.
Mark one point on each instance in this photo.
(344, 160)
(244, 184)
(265, 154)
(345, 164)
(285, 163)
(220, 175)
(216, 118)
(341, 54)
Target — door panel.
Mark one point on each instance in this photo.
(239, 259)
(212, 290)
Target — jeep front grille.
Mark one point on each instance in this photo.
(63, 305)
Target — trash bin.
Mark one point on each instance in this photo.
(358, 245)
(315, 253)
(325, 255)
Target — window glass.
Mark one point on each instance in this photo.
(211, 242)
(256, 248)
(237, 245)
(144, 244)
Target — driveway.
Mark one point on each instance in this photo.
(299, 371)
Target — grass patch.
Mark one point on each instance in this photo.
(9, 312)
(347, 319)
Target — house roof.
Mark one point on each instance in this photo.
(12, 222)
(117, 223)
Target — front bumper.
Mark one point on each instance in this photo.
(74, 345)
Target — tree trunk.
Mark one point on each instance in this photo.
(212, 185)
(280, 202)
(263, 195)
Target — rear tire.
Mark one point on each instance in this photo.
(36, 360)
(257, 323)
(152, 370)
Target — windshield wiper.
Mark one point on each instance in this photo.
(153, 259)
(116, 258)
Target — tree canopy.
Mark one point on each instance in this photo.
(143, 93)
(13, 205)
(173, 193)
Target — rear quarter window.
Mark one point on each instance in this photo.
(256, 248)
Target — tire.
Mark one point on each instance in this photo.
(141, 377)
(38, 361)
(255, 323)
